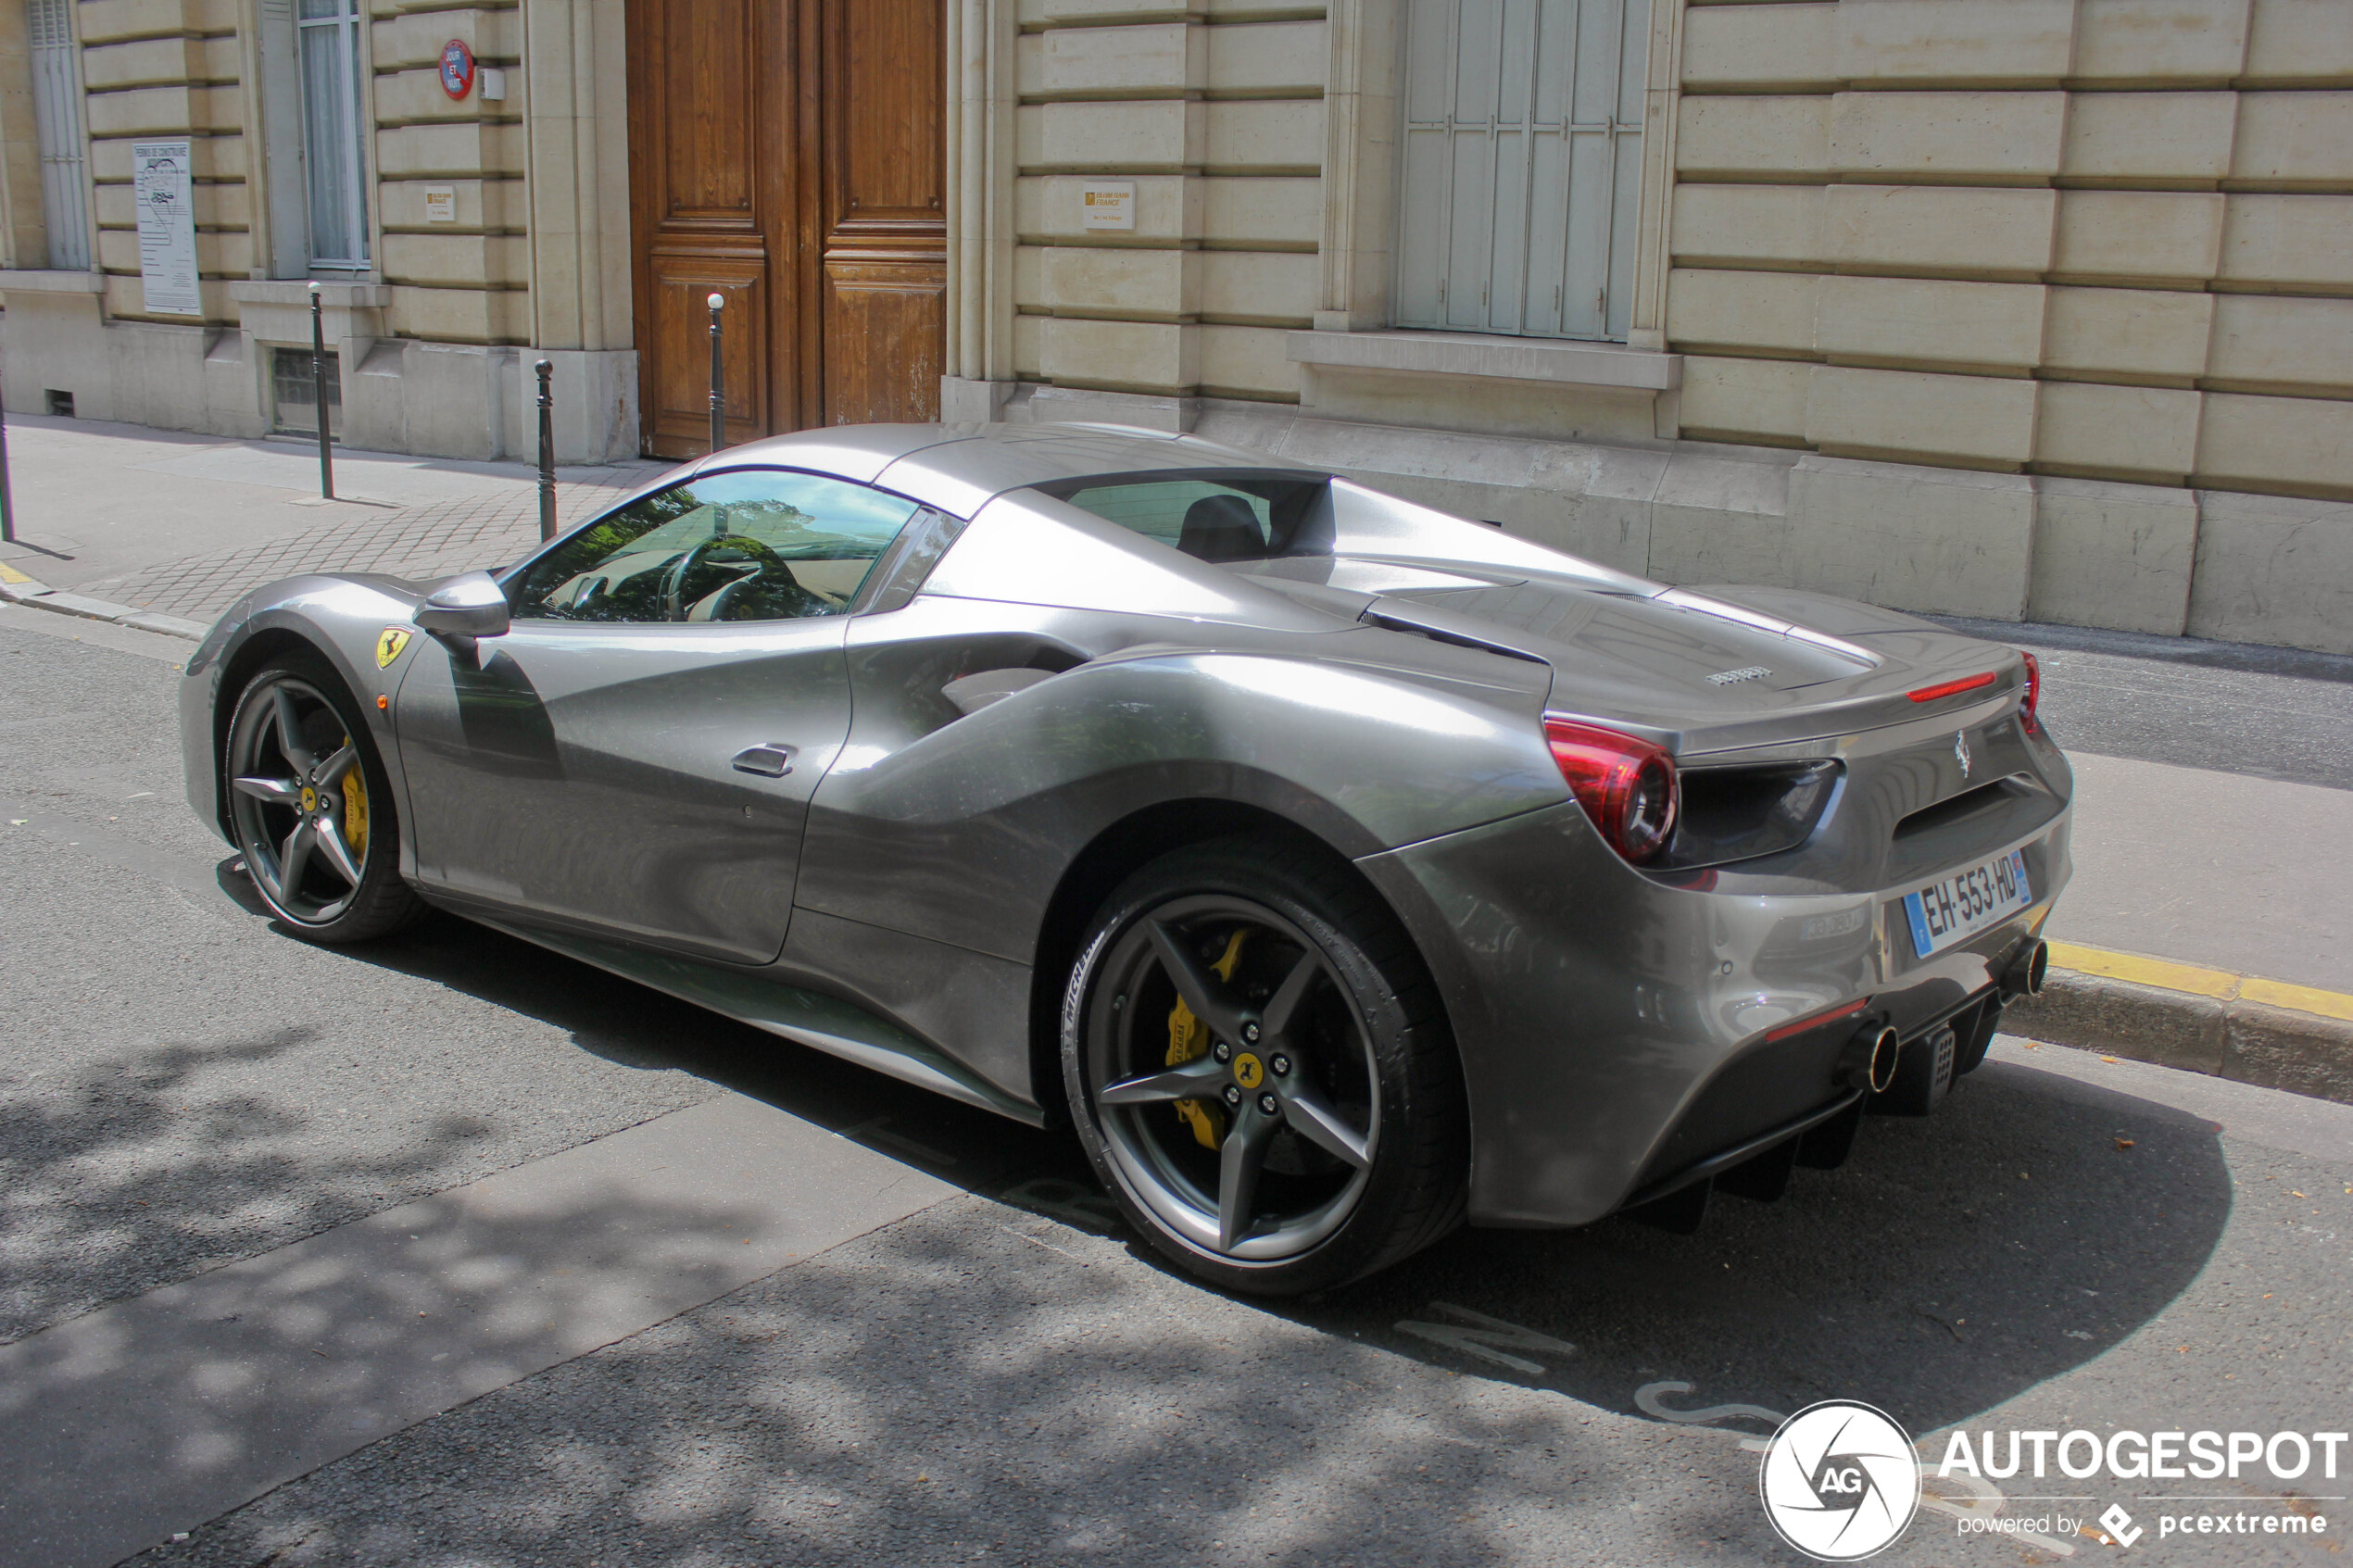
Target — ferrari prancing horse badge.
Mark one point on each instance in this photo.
(388, 645)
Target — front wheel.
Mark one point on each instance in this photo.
(1260, 1070)
(311, 806)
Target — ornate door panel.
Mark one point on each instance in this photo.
(788, 155)
(884, 288)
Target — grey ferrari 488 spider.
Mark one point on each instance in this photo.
(1342, 871)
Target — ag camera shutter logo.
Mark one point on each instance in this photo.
(1840, 1482)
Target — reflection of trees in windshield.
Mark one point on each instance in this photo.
(723, 548)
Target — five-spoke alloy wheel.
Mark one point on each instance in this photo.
(1259, 1071)
(311, 808)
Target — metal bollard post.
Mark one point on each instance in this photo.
(546, 450)
(319, 397)
(718, 378)
(8, 502)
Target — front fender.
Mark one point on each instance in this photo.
(338, 618)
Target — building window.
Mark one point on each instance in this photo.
(56, 118)
(331, 54)
(1523, 165)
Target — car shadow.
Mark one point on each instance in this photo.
(1954, 1262)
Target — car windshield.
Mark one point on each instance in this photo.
(1223, 516)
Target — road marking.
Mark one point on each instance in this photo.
(10, 574)
(156, 1413)
(2222, 984)
(1491, 1339)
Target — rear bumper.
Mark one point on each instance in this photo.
(1613, 1028)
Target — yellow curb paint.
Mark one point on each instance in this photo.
(2299, 998)
(9, 574)
(2219, 984)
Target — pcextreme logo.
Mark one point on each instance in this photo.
(1839, 1481)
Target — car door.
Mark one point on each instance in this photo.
(636, 756)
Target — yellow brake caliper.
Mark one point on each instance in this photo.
(1187, 1038)
(355, 810)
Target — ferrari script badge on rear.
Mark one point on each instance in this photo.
(1960, 749)
(388, 645)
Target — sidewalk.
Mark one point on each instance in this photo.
(2209, 925)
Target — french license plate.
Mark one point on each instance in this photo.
(1967, 902)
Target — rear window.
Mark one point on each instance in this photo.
(1212, 517)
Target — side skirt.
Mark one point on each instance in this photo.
(822, 1022)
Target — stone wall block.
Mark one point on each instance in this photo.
(1925, 229)
(1999, 138)
(1269, 60)
(1758, 48)
(1122, 356)
(163, 111)
(414, 38)
(2138, 236)
(1594, 502)
(2142, 42)
(2114, 556)
(1981, 420)
(2295, 141)
(1756, 224)
(1862, 319)
(2265, 343)
(1084, 280)
(2273, 569)
(2135, 333)
(1960, 43)
(2288, 242)
(2299, 41)
(2168, 136)
(1169, 208)
(1715, 520)
(456, 260)
(1911, 538)
(1270, 209)
(1278, 136)
(455, 151)
(1162, 60)
(1728, 310)
(157, 62)
(1246, 362)
(1269, 288)
(1751, 135)
(1157, 137)
(1725, 399)
(105, 21)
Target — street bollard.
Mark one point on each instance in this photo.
(546, 450)
(319, 397)
(718, 379)
(8, 502)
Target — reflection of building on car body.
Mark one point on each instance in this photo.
(1340, 870)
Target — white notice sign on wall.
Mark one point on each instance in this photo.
(1107, 203)
(441, 204)
(167, 227)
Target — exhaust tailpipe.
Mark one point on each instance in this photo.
(2025, 975)
(1869, 1061)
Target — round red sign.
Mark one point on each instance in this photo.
(457, 69)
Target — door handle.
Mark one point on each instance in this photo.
(770, 762)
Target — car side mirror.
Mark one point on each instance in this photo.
(463, 610)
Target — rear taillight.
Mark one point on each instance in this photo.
(1625, 785)
(2033, 697)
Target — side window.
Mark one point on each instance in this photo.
(757, 545)
(1228, 517)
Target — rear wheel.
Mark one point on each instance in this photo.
(311, 806)
(1260, 1071)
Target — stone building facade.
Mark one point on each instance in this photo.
(2012, 308)
(455, 238)
(1999, 307)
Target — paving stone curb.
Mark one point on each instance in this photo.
(40, 595)
(2234, 1038)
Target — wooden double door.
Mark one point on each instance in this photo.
(790, 156)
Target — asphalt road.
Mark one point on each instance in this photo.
(1006, 1376)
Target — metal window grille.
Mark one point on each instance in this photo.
(333, 58)
(296, 398)
(56, 119)
(1523, 165)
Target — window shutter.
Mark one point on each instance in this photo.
(1523, 149)
(56, 118)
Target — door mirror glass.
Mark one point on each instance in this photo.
(753, 544)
